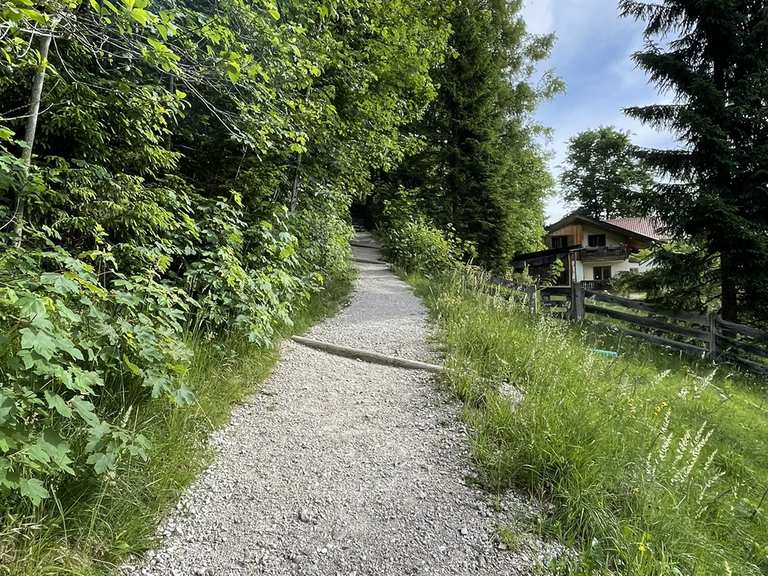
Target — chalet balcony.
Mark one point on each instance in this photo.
(596, 285)
(604, 253)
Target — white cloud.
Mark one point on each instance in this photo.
(593, 56)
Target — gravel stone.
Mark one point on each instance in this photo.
(372, 460)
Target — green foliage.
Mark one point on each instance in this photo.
(191, 173)
(646, 465)
(481, 170)
(412, 243)
(603, 177)
(713, 57)
(683, 277)
(75, 358)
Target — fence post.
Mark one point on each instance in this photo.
(577, 302)
(533, 300)
(712, 348)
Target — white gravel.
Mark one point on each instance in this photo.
(339, 467)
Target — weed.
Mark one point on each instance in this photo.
(650, 465)
(93, 524)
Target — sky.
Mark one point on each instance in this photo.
(593, 56)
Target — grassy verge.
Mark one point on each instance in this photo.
(93, 525)
(649, 464)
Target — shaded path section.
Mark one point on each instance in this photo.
(339, 466)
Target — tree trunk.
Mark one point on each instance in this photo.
(31, 130)
(729, 301)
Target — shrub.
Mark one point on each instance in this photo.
(412, 243)
(75, 357)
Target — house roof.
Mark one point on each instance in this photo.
(646, 226)
(642, 228)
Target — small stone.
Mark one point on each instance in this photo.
(464, 531)
(304, 515)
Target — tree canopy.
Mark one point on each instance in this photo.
(482, 171)
(603, 177)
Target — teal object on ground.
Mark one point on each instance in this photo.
(606, 353)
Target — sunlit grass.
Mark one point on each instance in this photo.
(93, 525)
(652, 465)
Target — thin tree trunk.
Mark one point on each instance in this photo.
(299, 160)
(31, 129)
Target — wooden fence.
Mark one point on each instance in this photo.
(701, 335)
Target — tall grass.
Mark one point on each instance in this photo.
(649, 464)
(92, 525)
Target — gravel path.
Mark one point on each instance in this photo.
(339, 467)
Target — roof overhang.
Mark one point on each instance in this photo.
(581, 219)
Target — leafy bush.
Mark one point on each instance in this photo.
(414, 244)
(75, 357)
(324, 232)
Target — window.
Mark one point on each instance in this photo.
(596, 240)
(559, 241)
(602, 272)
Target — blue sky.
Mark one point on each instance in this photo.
(593, 56)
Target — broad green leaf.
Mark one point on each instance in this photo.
(58, 403)
(57, 450)
(233, 70)
(184, 396)
(101, 462)
(84, 381)
(33, 489)
(38, 454)
(31, 306)
(85, 410)
(7, 406)
(42, 343)
(140, 15)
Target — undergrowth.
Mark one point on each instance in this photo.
(93, 523)
(650, 464)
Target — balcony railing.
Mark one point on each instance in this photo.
(596, 285)
(605, 253)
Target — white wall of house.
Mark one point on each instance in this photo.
(611, 239)
(617, 267)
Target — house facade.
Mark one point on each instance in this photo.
(592, 252)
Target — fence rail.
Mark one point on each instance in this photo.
(703, 335)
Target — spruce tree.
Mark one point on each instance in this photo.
(712, 55)
(482, 171)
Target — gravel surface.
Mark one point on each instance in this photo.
(339, 467)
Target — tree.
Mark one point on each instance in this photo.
(713, 56)
(603, 176)
(482, 171)
(683, 277)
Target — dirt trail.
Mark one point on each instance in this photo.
(341, 467)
